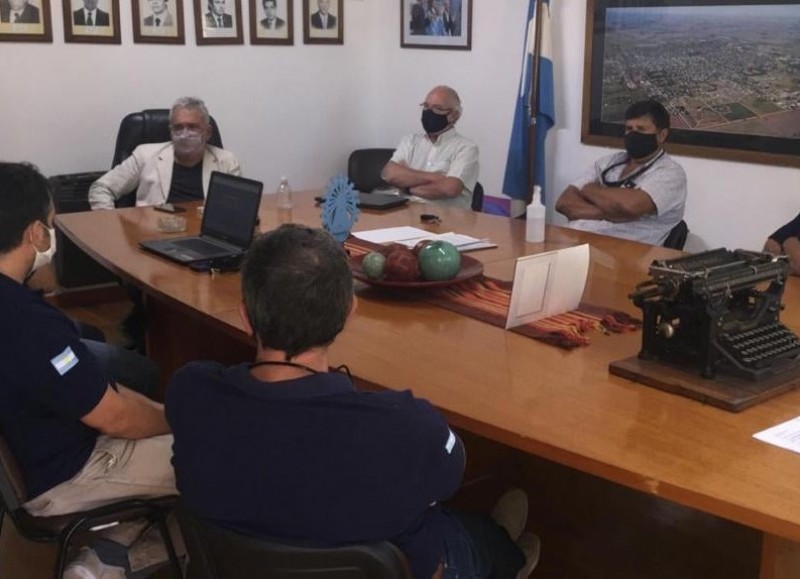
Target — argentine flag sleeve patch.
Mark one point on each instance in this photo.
(65, 361)
(451, 442)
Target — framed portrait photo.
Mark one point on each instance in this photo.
(25, 21)
(218, 21)
(323, 21)
(157, 21)
(436, 24)
(726, 71)
(95, 21)
(271, 22)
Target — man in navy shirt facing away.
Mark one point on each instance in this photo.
(283, 447)
(82, 439)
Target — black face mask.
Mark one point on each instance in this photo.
(640, 145)
(433, 123)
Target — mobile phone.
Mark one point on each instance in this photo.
(169, 208)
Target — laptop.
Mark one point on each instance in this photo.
(229, 220)
(377, 200)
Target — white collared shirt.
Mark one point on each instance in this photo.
(451, 155)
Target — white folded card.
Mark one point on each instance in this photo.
(547, 284)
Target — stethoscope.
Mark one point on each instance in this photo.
(628, 181)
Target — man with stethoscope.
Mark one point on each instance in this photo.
(638, 194)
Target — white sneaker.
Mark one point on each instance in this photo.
(529, 544)
(511, 512)
(87, 565)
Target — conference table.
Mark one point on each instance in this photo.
(562, 406)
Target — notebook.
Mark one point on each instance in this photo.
(377, 200)
(229, 221)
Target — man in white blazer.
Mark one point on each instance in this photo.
(178, 170)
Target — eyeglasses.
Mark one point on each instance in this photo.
(185, 127)
(436, 108)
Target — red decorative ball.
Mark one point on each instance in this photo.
(402, 265)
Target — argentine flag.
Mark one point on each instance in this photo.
(515, 182)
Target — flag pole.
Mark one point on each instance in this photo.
(533, 101)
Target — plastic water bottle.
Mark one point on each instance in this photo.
(534, 216)
(284, 194)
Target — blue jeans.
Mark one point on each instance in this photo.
(478, 548)
(125, 367)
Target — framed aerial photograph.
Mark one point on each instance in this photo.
(728, 73)
(436, 24)
(218, 21)
(93, 21)
(157, 21)
(271, 22)
(323, 21)
(25, 21)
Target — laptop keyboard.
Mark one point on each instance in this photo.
(199, 246)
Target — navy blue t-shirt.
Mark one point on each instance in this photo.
(314, 460)
(48, 381)
(187, 183)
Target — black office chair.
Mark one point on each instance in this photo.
(364, 168)
(147, 126)
(677, 236)
(219, 553)
(62, 529)
(477, 198)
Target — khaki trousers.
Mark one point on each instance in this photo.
(117, 469)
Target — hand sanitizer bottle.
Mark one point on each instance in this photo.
(534, 216)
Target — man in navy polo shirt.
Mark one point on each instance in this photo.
(81, 439)
(285, 448)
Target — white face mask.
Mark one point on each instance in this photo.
(44, 257)
(187, 141)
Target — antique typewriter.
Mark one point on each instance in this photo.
(718, 311)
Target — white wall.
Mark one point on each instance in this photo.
(299, 110)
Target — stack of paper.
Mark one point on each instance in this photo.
(410, 236)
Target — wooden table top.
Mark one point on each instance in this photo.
(563, 406)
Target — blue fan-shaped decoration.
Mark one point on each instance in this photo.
(340, 209)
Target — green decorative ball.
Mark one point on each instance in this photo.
(373, 264)
(439, 260)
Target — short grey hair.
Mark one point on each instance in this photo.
(191, 103)
(452, 96)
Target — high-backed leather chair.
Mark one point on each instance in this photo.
(219, 553)
(677, 236)
(364, 168)
(147, 126)
(62, 529)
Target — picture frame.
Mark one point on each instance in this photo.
(439, 24)
(157, 21)
(319, 28)
(722, 69)
(272, 22)
(218, 22)
(91, 21)
(25, 21)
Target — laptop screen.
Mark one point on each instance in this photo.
(231, 208)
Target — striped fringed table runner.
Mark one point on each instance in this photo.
(488, 299)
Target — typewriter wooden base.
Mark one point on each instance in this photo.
(726, 392)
